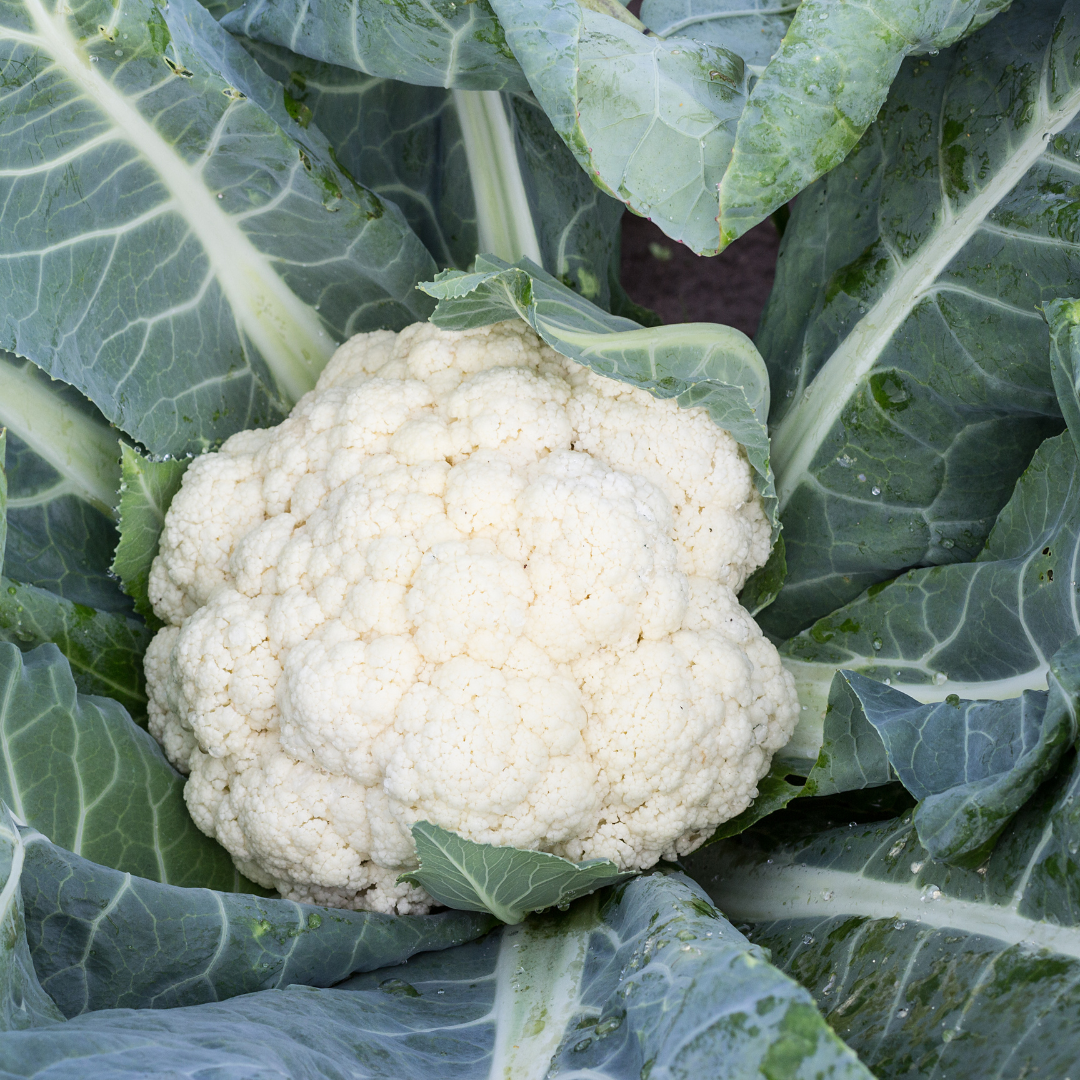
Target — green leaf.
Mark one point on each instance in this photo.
(79, 770)
(505, 881)
(750, 28)
(23, 1002)
(413, 41)
(764, 584)
(716, 367)
(63, 475)
(907, 353)
(973, 764)
(970, 631)
(163, 947)
(104, 648)
(775, 791)
(147, 488)
(3, 493)
(925, 969)
(822, 89)
(470, 170)
(156, 134)
(650, 981)
(651, 120)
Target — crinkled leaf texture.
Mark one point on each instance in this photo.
(507, 882)
(147, 488)
(924, 968)
(78, 769)
(179, 168)
(822, 89)
(162, 947)
(649, 979)
(907, 353)
(698, 364)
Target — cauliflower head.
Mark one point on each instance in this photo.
(467, 581)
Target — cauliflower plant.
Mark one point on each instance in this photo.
(469, 582)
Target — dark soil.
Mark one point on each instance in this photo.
(679, 286)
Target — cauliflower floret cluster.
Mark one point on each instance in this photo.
(470, 582)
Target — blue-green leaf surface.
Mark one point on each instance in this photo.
(463, 166)
(162, 946)
(416, 41)
(505, 881)
(104, 648)
(651, 120)
(904, 338)
(78, 769)
(23, 1002)
(63, 463)
(201, 253)
(968, 631)
(716, 367)
(650, 980)
(821, 90)
(926, 970)
(750, 28)
(973, 764)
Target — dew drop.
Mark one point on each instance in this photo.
(899, 925)
(875, 490)
(862, 478)
(826, 894)
(808, 939)
(220, 195)
(118, 52)
(916, 867)
(948, 543)
(902, 1013)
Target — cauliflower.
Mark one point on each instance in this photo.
(467, 581)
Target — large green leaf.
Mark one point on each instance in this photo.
(506, 881)
(823, 88)
(650, 119)
(472, 171)
(426, 42)
(162, 947)
(925, 969)
(79, 770)
(23, 1002)
(969, 631)
(973, 764)
(751, 28)
(650, 981)
(907, 354)
(201, 252)
(698, 364)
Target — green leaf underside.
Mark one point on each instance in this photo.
(651, 120)
(822, 89)
(413, 41)
(224, 333)
(163, 947)
(977, 630)
(925, 969)
(750, 28)
(507, 882)
(908, 354)
(78, 769)
(147, 489)
(652, 978)
(105, 649)
(713, 366)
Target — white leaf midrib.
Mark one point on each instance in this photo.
(769, 894)
(800, 435)
(288, 334)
